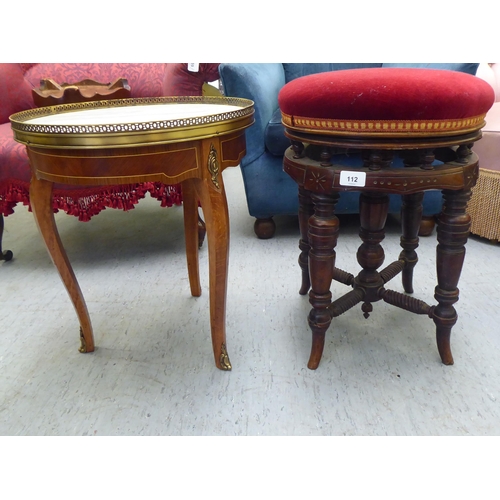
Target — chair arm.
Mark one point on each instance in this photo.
(490, 72)
(15, 92)
(495, 68)
(261, 83)
(179, 80)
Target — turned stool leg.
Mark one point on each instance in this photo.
(453, 226)
(323, 234)
(411, 216)
(373, 208)
(306, 210)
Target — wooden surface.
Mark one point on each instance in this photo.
(198, 165)
(51, 93)
(320, 181)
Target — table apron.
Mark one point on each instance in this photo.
(167, 163)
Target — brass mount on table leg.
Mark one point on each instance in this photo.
(224, 359)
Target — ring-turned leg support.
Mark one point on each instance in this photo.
(373, 208)
(453, 225)
(323, 234)
(41, 204)
(306, 210)
(411, 216)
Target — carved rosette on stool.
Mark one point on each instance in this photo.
(431, 133)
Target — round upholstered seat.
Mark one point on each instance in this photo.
(428, 120)
(386, 102)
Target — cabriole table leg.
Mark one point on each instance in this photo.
(191, 234)
(210, 190)
(41, 204)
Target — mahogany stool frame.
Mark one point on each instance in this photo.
(310, 161)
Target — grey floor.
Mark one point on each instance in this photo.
(153, 372)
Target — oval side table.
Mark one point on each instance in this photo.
(188, 140)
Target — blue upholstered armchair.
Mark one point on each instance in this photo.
(269, 190)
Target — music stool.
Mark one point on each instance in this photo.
(382, 131)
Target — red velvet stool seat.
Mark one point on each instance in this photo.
(425, 119)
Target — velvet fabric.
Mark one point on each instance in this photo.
(179, 80)
(16, 83)
(15, 92)
(297, 70)
(270, 191)
(469, 68)
(15, 173)
(275, 139)
(387, 94)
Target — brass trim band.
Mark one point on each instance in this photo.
(384, 128)
(131, 134)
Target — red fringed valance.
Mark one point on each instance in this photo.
(13, 192)
(87, 202)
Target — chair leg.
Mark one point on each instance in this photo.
(7, 255)
(264, 228)
(427, 225)
(202, 231)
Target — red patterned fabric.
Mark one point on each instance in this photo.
(15, 92)
(14, 171)
(387, 94)
(16, 83)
